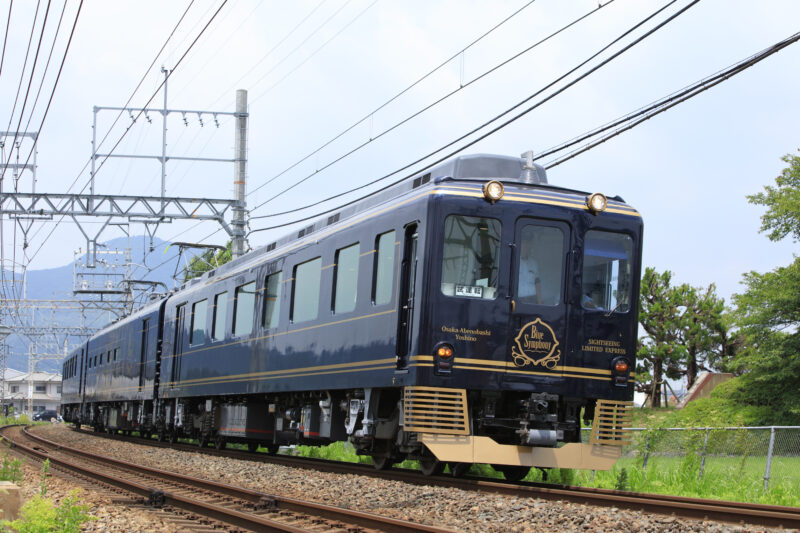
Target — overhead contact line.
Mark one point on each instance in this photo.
(492, 120)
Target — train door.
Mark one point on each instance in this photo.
(408, 278)
(177, 347)
(143, 353)
(538, 314)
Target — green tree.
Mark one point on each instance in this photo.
(782, 202)
(687, 330)
(768, 311)
(661, 314)
(704, 331)
(210, 259)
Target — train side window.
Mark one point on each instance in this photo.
(471, 256)
(198, 331)
(116, 351)
(243, 308)
(305, 290)
(220, 312)
(272, 300)
(607, 271)
(383, 269)
(345, 279)
(108, 357)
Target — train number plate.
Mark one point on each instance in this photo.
(468, 290)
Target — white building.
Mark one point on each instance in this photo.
(43, 388)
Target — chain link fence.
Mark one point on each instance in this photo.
(771, 453)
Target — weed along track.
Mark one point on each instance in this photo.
(466, 504)
(200, 502)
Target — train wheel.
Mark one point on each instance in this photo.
(161, 437)
(459, 469)
(202, 441)
(382, 462)
(272, 449)
(220, 443)
(431, 466)
(172, 438)
(512, 472)
(252, 447)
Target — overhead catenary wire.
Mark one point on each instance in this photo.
(269, 52)
(639, 116)
(119, 115)
(315, 52)
(177, 64)
(406, 90)
(396, 96)
(498, 116)
(22, 79)
(46, 67)
(5, 38)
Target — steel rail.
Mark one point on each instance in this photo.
(255, 498)
(681, 506)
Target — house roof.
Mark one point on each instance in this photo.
(36, 377)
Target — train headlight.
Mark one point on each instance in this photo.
(493, 190)
(597, 203)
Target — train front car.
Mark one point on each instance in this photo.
(528, 322)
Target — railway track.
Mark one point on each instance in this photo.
(235, 508)
(718, 510)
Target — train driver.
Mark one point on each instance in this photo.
(530, 284)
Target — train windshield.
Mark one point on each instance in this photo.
(607, 271)
(471, 256)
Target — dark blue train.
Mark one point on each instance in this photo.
(471, 314)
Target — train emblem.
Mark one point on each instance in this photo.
(536, 344)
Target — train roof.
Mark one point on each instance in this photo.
(518, 173)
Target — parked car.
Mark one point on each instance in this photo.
(47, 415)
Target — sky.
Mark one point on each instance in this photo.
(314, 69)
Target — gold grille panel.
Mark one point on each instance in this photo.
(611, 418)
(435, 410)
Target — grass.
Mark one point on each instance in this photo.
(676, 475)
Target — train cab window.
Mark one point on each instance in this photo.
(471, 256)
(383, 278)
(272, 300)
(541, 265)
(243, 308)
(220, 312)
(607, 271)
(305, 290)
(345, 279)
(198, 331)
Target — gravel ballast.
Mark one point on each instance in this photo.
(446, 507)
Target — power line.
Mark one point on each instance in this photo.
(646, 113)
(270, 51)
(5, 38)
(30, 83)
(312, 54)
(177, 64)
(46, 66)
(311, 34)
(499, 116)
(401, 93)
(22, 77)
(130, 98)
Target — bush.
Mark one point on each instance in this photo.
(40, 515)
